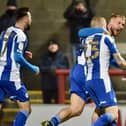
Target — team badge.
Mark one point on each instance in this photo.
(21, 45)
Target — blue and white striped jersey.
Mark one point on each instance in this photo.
(83, 33)
(12, 41)
(98, 50)
(80, 57)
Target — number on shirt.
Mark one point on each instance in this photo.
(91, 51)
(5, 41)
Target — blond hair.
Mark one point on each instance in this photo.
(98, 22)
(114, 15)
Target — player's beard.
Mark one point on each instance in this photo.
(112, 32)
(28, 27)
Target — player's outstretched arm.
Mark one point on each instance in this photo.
(23, 62)
(120, 60)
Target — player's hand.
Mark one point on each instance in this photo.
(38, 71)
(28, 54)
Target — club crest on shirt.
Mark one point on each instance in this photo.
(20, 46)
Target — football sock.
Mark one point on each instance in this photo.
(103, 120)
(21, 118)
(55, 120)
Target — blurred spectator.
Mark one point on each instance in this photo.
(78, 15)
(8, 17)
(53, 59)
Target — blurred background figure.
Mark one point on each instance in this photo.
(53, 59)
(8, 17)
(78, 15)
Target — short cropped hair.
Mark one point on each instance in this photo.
(97, 21)
(114, 15)
(21, 12)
